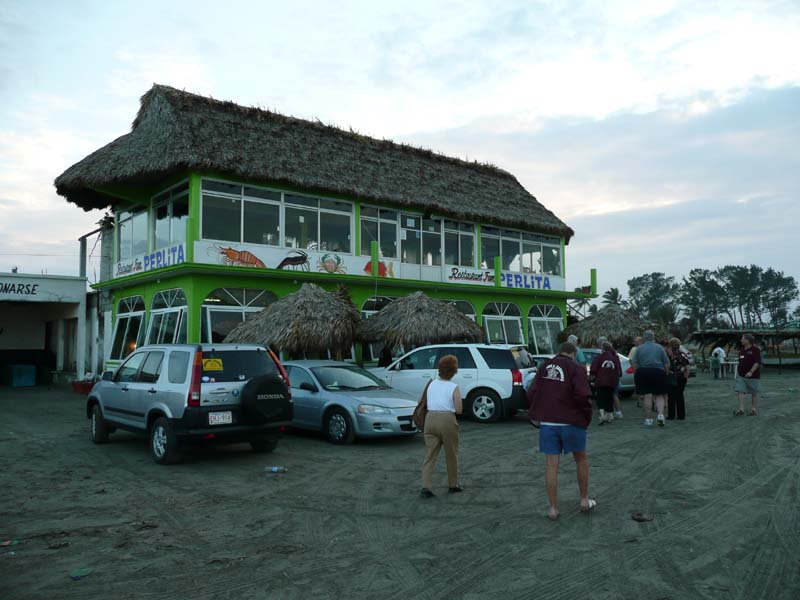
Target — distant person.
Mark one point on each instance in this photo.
(579, 355)
(650, 375)
(441, 427)
(749, 371)
(679, 368)
(385, 358)
(714, 364)
(605, 372)
(617, 402)
(719, 353)
(560, 404)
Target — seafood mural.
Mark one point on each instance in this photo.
(384, 270)
(296, 260)
(331, 263)
(238, 258)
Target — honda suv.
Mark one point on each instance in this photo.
(490, 376)
(179, 393)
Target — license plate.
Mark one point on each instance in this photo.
(220, 418)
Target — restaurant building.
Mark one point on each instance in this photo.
(221, 209)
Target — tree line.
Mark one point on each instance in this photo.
(730, 296)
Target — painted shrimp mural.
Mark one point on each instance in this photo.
(237, 258)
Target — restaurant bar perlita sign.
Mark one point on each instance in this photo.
(158, 259)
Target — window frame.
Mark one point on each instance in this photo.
(544, 314)
(132, 307)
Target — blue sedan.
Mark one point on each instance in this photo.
(345, 401)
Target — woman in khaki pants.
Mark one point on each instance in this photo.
(441, 426)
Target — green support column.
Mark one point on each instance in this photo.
(497, 271)
(193, 222)
(593, 275)
(375, 251)
(357, 229)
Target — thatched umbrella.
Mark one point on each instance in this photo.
(309, 320)
(417, 320)
(620, 326)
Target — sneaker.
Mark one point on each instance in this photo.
(648, 422)
(660, 419)
(426, 493)
(618, 414)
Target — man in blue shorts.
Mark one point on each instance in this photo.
(560, 404)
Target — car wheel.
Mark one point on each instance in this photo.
(484, 406)
(263, 444)
(99, 428)
(338, 427)
(163, 442)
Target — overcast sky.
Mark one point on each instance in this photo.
(664, 133)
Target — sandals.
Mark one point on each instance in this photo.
(738, 412)
(589, 507)
(752, 413)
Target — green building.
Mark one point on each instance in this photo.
(220, 209)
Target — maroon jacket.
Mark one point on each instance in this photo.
(606, 369)
(560, 393)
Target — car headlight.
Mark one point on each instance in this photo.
(371, 409)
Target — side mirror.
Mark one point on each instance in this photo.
(309, 387)
(108, 376)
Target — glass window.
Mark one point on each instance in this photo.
(510, 255)
(467, 250)
(544, 326)
(368, 211)
(462, 354)
(328, 204)
(409, 221)
(302, 200)
(180, 214)
(169, 325)
(127, 372)
(252, 192)
(531, 257)
(124, 239)
(139, 227)
(497, 358)
(298, 376)
(421, 359)
(151, 369)
(490, 247)
(495, 331)
(551, 260)
(240, 365)
(225, 188)
(334, 232)
(155, 327)
(388, 239)
(161, 235)
(451, 248)
(178, 367)
(127, 336)
(262, 223)
(222, 322)
(301, 228)
(369, 234)
(410, 247)
(222, 218)
(431, 247)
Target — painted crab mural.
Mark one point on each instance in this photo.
(331, 263)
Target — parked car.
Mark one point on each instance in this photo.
(488, 375)
(626, 385)
(184, 392)
(345, 401)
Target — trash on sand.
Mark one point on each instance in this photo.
(9, 543)
(640, 516)
(79, 574)
(792, 390)
(145, 525)
(57, 545)
(275, 469)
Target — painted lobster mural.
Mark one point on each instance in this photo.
(296, 259)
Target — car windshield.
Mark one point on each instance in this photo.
(347, 377)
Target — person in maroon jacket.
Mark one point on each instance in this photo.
(605, 372)
(560, 405)
(749, 374)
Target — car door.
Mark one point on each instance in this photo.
(467, 376)
(414, 370)
(143, 392)
(307, 404)
(117, 403)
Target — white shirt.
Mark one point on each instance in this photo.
(440, 395)
(719, 352)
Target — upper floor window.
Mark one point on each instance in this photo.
(520, 252)
(459, 243)
(131, 233)
(170, 213)
(379, 225)
(235, 213)
(420, 240)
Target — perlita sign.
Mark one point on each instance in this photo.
(166, 257)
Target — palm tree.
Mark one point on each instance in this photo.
(614, 296)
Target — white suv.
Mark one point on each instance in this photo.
(490, 376)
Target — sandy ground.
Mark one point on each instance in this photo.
(346, 522)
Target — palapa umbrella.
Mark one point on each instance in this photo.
(417, 320)
(308, 320)
(620, 326)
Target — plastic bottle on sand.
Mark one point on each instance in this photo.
(276, 469)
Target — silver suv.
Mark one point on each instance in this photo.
(178, 393)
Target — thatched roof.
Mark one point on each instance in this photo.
(417, 320)
(309, 320)
(617, 324)
(176, 131)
